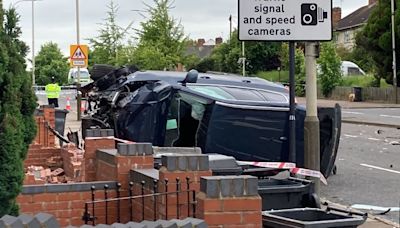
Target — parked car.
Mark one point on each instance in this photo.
(349, 68)
(84, 76)
(243, 117)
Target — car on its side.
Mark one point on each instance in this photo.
(243, 117)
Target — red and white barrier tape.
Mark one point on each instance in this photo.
(291, 167)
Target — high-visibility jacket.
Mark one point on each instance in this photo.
(53, 90)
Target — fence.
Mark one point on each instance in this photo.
(93, 207)
(385, 95)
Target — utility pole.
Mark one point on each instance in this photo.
(311, 122)
(33, 44)
(394, 53)
(292, 105)
(78, 85)
(230, 28)
(244, 59)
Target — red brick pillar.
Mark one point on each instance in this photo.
(50, 119)
(96, 139)
(230, 201)
(183, 168)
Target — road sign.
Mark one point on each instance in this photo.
(285, 20)
(79, 55)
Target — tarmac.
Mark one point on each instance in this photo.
(372, 221)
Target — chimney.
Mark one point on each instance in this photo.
(337, 15)
(370, 2)
(218, 41)
(201, 42)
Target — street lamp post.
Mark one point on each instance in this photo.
(78, 85)
(394, 52)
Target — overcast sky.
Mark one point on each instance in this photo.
(55, 19)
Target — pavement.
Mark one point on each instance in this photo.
(372, 221)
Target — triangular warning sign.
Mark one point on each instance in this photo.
(78, 54)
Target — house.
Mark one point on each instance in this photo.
(346, 28)
(203, 49)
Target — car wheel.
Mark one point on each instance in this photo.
(99, 70)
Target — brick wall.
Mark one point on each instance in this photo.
(44, 137)
(38, 156)
(66, 202)
(230, 201)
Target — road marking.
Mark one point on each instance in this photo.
(380, 168)
(356, 113)
(374, 139)
(397, 117)
(351, 136)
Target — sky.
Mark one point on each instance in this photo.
(55, 20)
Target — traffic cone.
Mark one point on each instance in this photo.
(68, 106)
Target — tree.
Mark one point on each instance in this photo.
(17, 104)
(162, 41)
(260, 56)
(376, 40)
(330, 68)
(50, 62)
(300, 73)
(108, 47)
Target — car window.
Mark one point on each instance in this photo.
(244, 94)
(273, 97)
(215, 92)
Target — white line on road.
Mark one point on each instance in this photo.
(374, 139)
(397, 117)
(380, 168)
(356, 113)
(351, 136)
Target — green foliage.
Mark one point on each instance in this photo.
(330, 68)
(375, 40)
(17, 104)
(362, 81)
(162, 41)
(284, 56)
(50, 62)
(260, 56)
(108, 47)
(274, 76)
(300, 73)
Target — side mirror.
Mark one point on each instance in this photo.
(191, 77)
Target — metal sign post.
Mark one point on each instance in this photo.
(288, 20)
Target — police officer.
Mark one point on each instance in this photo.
(53, 92)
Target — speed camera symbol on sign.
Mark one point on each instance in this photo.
(311, 14)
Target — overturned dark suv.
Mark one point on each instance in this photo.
(244, 117)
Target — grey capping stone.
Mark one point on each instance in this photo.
(118, 225)
(251, 188)
(122, 148)
(33, 189)
(150, 224)
(96, 133)
(86, 226)
(182, 223)
(110, 132)
(135, 225)
(47, 220)
(167, 224)
(107, 155)
(8, 221)
(144, 148)
(29, 221)
(226, 187)
(132, 150)
(103, 226)
(210, 186)
(183, 163)
(89, 133)
(193, 163)
(204, 163)
(170, 162)
(103, 133)
(197, 223)
(238, 187)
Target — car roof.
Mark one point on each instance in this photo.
(175, 77)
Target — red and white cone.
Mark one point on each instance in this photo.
(68, 106)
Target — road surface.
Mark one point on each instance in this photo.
(390, 116)
(368, 165)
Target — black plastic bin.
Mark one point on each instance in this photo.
(357, 94)
(287, 193)
(311, 218)
(60, 115)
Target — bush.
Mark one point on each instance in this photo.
(330, 63)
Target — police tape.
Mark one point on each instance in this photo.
(291, 167)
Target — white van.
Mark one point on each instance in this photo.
(350, 68)
(84, 76)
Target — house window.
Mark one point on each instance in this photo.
(347, 36)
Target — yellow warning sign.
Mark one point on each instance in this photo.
(79, 55)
